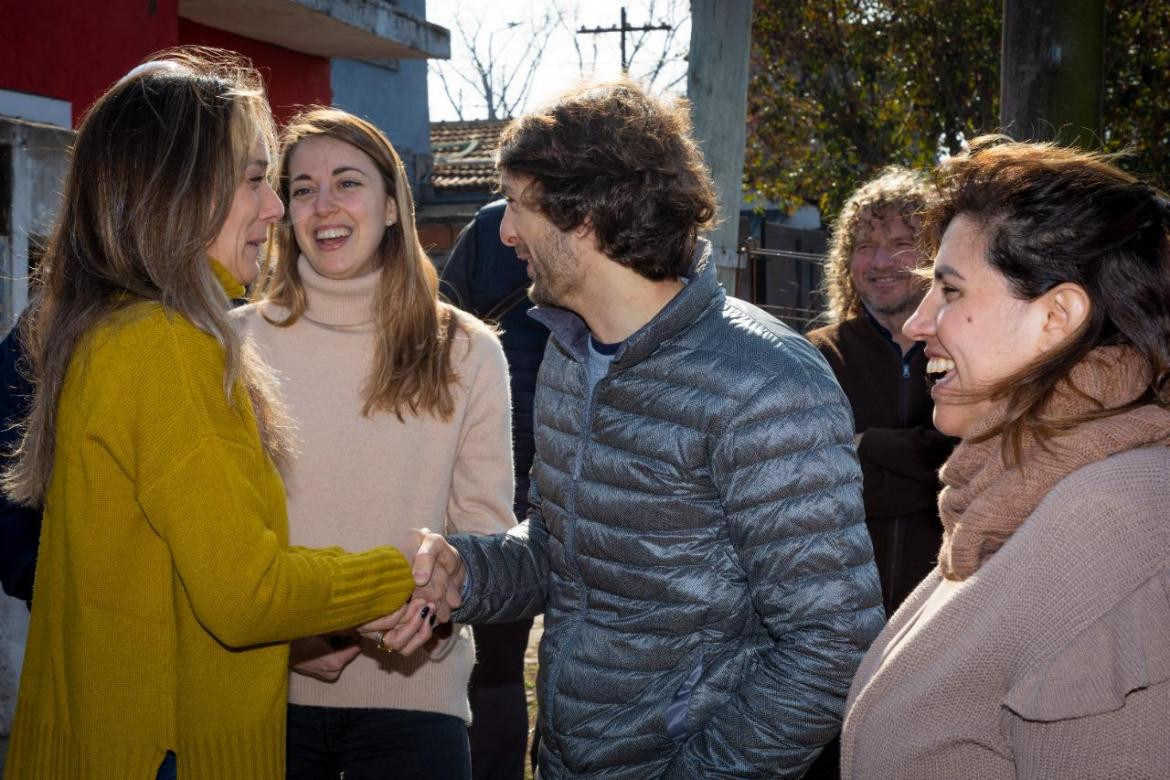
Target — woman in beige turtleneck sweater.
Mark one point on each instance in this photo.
(1040, 646)
(402, 421)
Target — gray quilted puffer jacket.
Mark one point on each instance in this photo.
(697, 544)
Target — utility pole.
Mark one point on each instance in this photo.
(1052, 68)
(717, 78)
(623, 29)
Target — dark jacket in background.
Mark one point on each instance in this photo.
(696, 544)
(20, 527)
(481, 273)
(900, 450)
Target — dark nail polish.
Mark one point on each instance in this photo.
(432, 620)
(425, 611)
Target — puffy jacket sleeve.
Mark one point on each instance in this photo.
(507, 573)
(791, 488)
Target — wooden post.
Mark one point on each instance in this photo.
(1052, 70)
(717, 77)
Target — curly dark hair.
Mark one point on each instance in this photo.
(895, 191)
(623, 161)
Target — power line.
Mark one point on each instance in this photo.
(623, 29)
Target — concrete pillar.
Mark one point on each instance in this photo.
(717, 78)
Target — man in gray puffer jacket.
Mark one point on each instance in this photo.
(696, 537)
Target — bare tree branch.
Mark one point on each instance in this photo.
(667, 53)
(496, 62)
(498, 66)
(534, 57)
(567, 20)
(456, 102)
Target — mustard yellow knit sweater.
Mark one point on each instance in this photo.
(165, 587)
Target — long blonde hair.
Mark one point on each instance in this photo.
(150, 184)
(412, 370)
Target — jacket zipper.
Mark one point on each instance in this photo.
(571, 547)
(895, 557)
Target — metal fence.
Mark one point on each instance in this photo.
(784, 275)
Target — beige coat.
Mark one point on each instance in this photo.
(1051, 661)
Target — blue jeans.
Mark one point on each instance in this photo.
(372, 744)
(166, 770)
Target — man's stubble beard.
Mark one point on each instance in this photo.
(557, 276)
(904, 306)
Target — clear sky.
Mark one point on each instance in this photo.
(510, 25)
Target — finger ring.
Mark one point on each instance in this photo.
(385, 648)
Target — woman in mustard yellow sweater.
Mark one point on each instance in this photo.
(165, 587)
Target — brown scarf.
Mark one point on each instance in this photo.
(984, 501)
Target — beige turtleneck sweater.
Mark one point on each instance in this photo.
(360, 482)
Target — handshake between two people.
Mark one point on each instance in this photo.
(438, 584)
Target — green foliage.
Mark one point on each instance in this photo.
(1136, 114)
(841, 88)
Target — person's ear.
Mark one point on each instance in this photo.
(585, 229)
(391, 211)
(1066, 310)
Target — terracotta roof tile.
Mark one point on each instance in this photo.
(464, 153)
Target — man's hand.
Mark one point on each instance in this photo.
(323, 657)
(438, 573)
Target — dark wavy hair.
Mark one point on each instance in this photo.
(1052, 215)
(623, 161)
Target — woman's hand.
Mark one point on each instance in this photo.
(323, 657)
(404, 631)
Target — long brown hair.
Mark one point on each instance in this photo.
(1052, 215)
(412, 369)
(150, 184)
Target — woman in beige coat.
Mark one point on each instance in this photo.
(1040, 646)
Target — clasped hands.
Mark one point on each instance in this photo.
(438, 582)
(438, 579)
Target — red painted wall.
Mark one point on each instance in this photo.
(70, 50)
(293, 79)
(73, 51)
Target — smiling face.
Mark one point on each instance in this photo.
(553, 266)
(884, 254)
(255, 206)
(977, 332)
(338, 206)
